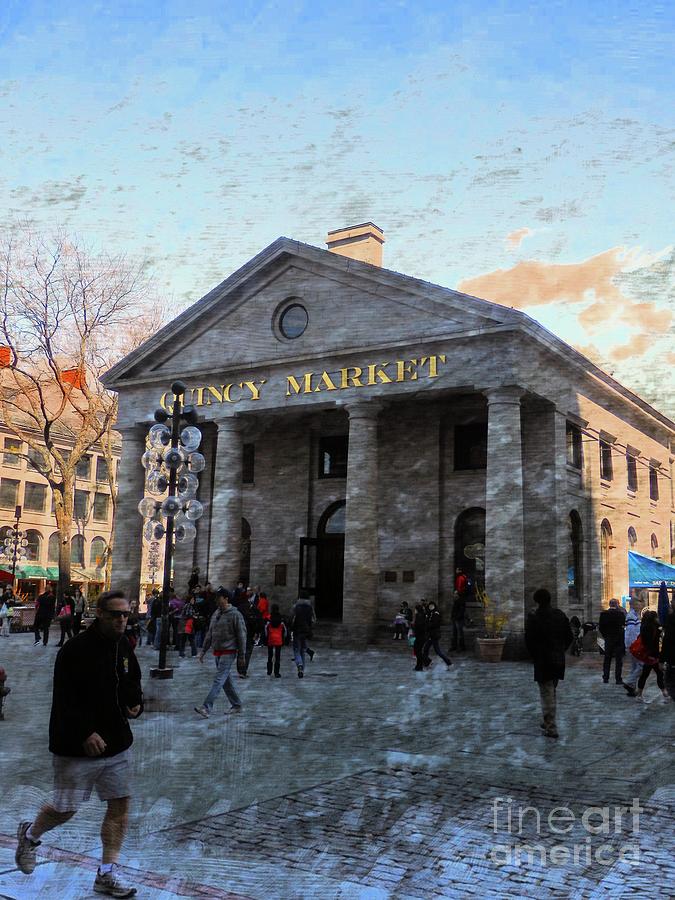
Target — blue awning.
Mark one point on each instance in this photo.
(645, 572)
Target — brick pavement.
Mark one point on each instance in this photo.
(363, 780)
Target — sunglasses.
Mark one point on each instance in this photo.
(118, 613)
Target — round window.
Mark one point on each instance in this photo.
(293, 321)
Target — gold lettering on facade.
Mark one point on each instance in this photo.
(253, 388)
(406, 367)
(346, 378)
(376, 372)
(293, 383)
(433, 363)
(215, 393)
(327, 381)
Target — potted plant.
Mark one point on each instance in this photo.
(491, 645)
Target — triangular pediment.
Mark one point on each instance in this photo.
(349, 305)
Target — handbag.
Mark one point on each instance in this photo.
(642, 653)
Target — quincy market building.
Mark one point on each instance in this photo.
(366, 433)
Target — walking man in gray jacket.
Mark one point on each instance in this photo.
(226, 636)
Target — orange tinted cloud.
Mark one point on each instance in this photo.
(637, 346)
(516, 238)
(649, 316)
(532, 283)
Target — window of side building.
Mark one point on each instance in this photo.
(101, 506)
(606, 468)
(574, 448)
(35, 496)
(83, 468)
(471, 446)
(81, 507)
(631, 469)
(9, 493)
(12, 454)
(101, 469)
(37, 460)
(333, 453)
(653, 482)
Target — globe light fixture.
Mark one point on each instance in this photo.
(172, 463)
(15, 545)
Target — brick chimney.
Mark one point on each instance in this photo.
(362, 242)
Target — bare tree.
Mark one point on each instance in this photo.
(66, 314)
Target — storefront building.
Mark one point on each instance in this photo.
(366, 433)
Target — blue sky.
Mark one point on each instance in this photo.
(490, 141)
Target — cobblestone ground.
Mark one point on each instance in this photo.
(364, 779)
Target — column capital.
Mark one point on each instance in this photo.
(505, 393)
(364, 409)
(231, 424)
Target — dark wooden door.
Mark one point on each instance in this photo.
(330, 559)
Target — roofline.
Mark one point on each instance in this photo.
(507, 315)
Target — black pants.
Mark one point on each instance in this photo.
(273, 652)
(420, 654)
(249, 649)
(614, 648)
(642, 680)
(41, 630)
(66, 629)
(77, 623)
(458, 635)
(433, 642)
(184, 638)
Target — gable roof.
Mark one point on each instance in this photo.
(441, 299)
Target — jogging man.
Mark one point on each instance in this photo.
(97, 688)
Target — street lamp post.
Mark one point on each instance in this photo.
(15, 545)
(171, 464)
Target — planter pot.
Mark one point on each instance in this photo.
(490, 649)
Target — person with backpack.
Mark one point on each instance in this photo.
(301, 628)
(275, 637)
(650, 637)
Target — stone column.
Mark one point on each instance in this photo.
(226, 509)
(361, 565)
(205, 497)
(561, 515)
(504, 541)
(128, 545)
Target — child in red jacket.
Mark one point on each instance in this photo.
(275, 634)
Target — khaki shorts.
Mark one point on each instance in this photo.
(76, 776)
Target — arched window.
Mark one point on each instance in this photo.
(53, 547)
(245, 553)
(632, 538)
(97, 552)
(655, 545)
(470, 542)
(333, 520)
(575, 558)
(77, 550)
(34, 547)
(606, 547)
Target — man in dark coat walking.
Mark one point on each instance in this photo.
(547, 636)
(611, 624)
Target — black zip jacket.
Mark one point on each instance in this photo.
(95, 680)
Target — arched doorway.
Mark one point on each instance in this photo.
(245, 553)
(606, 548)
(469, 539)
(330, 561)
(575, 575)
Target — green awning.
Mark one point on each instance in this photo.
(24, 570)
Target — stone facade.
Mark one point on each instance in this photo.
(456, 410)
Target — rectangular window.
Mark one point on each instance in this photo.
(333, 453)
(606, 470)
(35, 496)
(81, 507)
(408, 576)
(389, 577)
(11, 456)
(631, 472)
(101, 506)
(653, 483)
(9, 493)
(280, 573)
(248, 464)
(37, 460)
(101, 469)
(83, 468)
(574, 457)
(471, 446)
